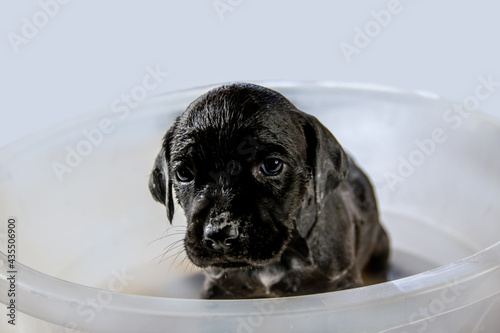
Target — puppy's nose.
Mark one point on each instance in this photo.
(220, 238)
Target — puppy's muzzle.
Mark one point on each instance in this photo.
(221, 234)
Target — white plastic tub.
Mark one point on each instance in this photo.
(89, 236)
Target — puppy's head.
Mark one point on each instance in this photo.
(240, 159)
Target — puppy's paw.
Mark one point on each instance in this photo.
(213, 291)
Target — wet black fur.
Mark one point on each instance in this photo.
(313, 228)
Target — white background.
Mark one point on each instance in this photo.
(86, 54)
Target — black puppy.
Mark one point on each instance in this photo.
(274, 206)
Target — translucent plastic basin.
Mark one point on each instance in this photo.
(95, 252)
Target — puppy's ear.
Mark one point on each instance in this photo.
(160, 184)
(328, 162)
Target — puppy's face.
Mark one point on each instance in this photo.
(239, 161)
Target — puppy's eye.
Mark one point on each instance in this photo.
(272, 167)
(184, 175)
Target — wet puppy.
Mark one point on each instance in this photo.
(274, 205)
